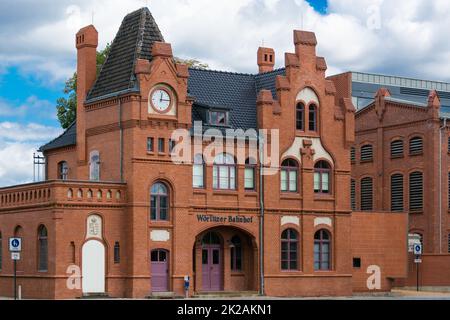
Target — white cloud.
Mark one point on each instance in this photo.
(226, 34)
(18, 142)
(32, 106)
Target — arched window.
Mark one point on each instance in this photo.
(367, 194)
(416, 191)
(313, 117)
(322, 173)
(289, 173)
(300, 117)
(397, 193)
(94, 166)
(416, 146)
(1, 250)
(63, 170)
(224, 172)
(322, 250)
(198, 172)
(236, 254)
(159, 206)
(42, 249)
(289, 250)
(250, 174)
(367, 153)
(397, 149)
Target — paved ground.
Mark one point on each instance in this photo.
(394, 295)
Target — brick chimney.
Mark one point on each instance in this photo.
(266, 59)
(86, 43)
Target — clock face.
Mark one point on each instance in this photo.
(161, 100)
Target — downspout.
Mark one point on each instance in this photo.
(440, 184)
(261, 220)
(121, 140)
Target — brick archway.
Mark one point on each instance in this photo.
(228, 262)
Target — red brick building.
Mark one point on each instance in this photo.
(400, 163)
(120, 214)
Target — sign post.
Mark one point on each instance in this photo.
(418, 253)
(15, 247)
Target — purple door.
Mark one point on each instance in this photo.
(160, 271)
(212, 268)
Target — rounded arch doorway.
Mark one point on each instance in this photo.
(225, 259)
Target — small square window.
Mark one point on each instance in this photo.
(218, 118)
(161, 147)
(357, 263)
(150, 145)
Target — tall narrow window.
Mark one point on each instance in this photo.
(43, 249)
(161, 146)
(300, 117)
(117, 253)
(397, 193)
(224, 173)
(150, 144)
(449, 243)
(353, 155)
(289, 250)
(312, 118)
(367, 153)
(322, 251)
(289, 173)
(94, 166)
(250, 174)
(236, 254)
(322, 172)
(353, 194)
(198, 172)
(448, 190)
(416, 146)
(367, 194)
(1, 250)
(172, 144)
(416, 191)
(159, 206)
(397, 149)
(63, 170)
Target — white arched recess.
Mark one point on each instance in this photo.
(93, 259)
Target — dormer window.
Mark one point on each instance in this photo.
(218, 118)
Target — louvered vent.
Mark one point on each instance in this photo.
(416, 191)
(397, 149)
(416, 146)
(367, 194)
(397, 193)
(367, 153)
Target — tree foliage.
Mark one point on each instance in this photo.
(66, 107)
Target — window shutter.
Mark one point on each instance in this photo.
(397, 148)
(353, 194)
(397, 193)
(367, 153)
(416, 191)
(367, 194)
(416, 146)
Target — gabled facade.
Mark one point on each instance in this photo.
(134, 223)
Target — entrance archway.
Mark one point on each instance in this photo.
(225, 259)
(93, 267)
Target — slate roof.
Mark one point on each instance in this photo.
(234, 92)
(68, 138)
(133, 41)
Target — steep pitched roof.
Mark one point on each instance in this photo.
(67, 139)
(133, 41)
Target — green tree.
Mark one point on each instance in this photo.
(66, 107)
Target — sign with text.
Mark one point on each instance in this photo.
(230, 219)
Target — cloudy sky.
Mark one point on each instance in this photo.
(399, 37)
